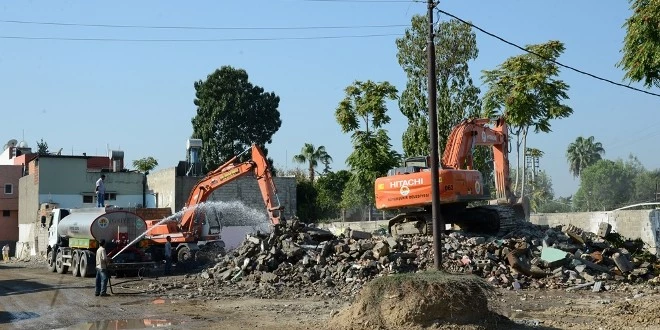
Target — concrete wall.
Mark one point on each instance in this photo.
(28, 194)
(173, 191)
(633, 224)
(69, 176)
(161, 183)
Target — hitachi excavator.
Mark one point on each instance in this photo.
(194, 230)
(408, 188)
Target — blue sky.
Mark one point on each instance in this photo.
(84, 96)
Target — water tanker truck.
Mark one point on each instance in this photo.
(74, 236)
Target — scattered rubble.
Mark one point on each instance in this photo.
(300, 261)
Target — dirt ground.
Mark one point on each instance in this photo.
(33, 298)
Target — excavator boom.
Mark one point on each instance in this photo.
(190, 228)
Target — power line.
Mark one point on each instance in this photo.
(199, 40)
(162, 27)
(366, 1)
(547, 59)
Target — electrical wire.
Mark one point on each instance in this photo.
(199, 40)
(366, 1)
(202, 27)
(545, 58)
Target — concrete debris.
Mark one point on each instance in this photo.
(299, 261)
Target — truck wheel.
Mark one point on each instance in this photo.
(184, 255)
(51, 261)
(75, 264)
(86, 267)
(59, 264)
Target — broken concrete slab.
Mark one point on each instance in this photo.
(554, 257)
(622, 262)
(604, 229)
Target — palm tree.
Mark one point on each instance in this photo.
(583, 153)
(312, 157)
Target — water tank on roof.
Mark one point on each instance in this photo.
(117, 157)
(193, 150)
(193, 143)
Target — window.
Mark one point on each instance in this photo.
(9, 189)
(88, 199)
(6, 213)
(110, 196)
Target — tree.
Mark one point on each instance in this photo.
(145, 164)
(42, 147)
(458, 98)
(330, 188)
(524, 89)
(641, 46)
(232, 114)
(311, 156)
(306, 204)
(605, 185)
(559, 205)
(583, 153)
(363, 113)
(646, 187)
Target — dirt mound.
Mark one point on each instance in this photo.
(415, 300)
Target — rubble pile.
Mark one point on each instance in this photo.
(299, 261)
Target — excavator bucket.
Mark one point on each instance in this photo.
(522, 208)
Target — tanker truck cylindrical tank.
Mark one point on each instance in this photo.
(101, 225)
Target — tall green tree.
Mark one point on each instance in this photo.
(145, 164)
(582, 153)
(232, 113)
(525, 89)
(641, 46)
(363, 113)
(457, 97)
(312, 156)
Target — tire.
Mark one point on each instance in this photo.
(87, 268)
(59, 263)
(75, 263)
(50, 260)
(184, 255)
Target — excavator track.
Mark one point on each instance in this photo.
(496, 220)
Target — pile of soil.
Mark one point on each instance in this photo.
(419, 300)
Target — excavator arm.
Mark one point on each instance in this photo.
(470, 133)
(228, 172)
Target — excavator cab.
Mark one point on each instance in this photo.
(411, 165)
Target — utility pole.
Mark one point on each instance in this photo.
(438, 224)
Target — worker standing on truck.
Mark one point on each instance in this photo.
(168, 255)
(100, 191)
(101, 270)
(5, 252)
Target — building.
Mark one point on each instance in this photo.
(70, 181)
(12, 159)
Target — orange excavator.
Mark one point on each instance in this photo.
(193, 230)
(408, 188)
